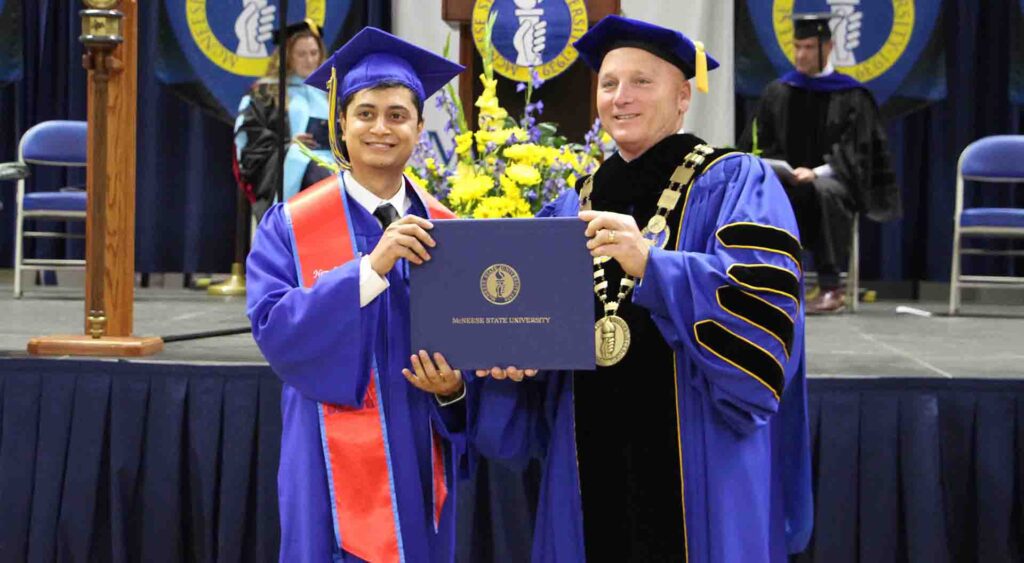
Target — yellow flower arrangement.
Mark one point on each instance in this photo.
(504, 168)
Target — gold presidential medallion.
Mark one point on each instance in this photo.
(611, 333)
(611, 338)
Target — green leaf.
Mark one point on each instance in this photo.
(319, 160)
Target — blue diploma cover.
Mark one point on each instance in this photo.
(318, 129)
(506, 292)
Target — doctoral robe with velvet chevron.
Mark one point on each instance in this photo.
(695, 446)
(330, 354)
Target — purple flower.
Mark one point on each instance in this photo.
(536, 79)
(443, 187)
(520, 87)
(593, 135)
(540, 107)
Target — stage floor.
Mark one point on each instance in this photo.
(876, 342)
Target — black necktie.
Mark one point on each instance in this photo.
(386, 214)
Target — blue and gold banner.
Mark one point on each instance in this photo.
(531, 36)
(892, 46)
(219, 48)
(10, 47)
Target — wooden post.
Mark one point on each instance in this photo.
(119, 276)
(100, 65)
(111, 40)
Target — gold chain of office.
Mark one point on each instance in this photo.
(611, 332)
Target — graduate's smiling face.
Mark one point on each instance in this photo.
(641, 99)
(380, 127)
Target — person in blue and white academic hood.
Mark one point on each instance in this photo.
(367, 459)
(256, 137)
(689, 442)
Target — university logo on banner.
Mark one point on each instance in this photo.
(10, 47)
(227, 44)
(531, 35)
(878, 42)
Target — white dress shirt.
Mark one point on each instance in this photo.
(371, 284)
(825, 170)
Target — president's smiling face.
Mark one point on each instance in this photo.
(641, 99)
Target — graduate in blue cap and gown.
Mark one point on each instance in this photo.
(689, 442)
(826, 125)
(256, 138)
(367, 459)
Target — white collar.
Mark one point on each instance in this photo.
(829, 69)
(370, 202)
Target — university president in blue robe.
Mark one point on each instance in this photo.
(689, 442)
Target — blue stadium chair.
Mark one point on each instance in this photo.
(991, 160)
(51, 143)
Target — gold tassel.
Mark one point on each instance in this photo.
(332, 120)
(702, 67)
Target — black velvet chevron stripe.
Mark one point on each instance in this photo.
(740, 353)
(759, 312)
(763, 237)
(766, 278)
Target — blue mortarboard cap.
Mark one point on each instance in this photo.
(374, 56)
(613, 32)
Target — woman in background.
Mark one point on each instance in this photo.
(256, 136)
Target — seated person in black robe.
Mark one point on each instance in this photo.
(826, 125)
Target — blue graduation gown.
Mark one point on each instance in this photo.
(739, 392)
(320, 342)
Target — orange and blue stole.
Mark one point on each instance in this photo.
(355, 439)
